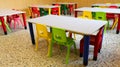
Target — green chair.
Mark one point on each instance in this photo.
(64, 9)
(59, 37)
(43, 12)
(102, 16)
(6, 26)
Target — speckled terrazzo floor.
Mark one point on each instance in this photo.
(16, 50)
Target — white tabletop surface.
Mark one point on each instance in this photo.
(5, 12)
(63, 3)
(101, 4)
(44, 6)
(77, 25)
(107, 10)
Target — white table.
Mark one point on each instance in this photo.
(102, 4)
(8, 12)
(85, 27)
(107, 10)
(49, 7)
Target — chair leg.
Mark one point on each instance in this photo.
(96, 48)
(68, 54)
(49, 44)
(50, 49)
(75, 49)
(36, 44)
(114, 23)
(7, 27)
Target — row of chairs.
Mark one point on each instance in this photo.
(36, 12)
(56, 36)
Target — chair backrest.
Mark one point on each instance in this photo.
(59, 35)
(63, 7)
(34, 9)
(100, 15)
(43, 12)
(41, 30)
(87, 14)
(113, 6)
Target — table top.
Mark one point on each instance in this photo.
(63, 3)
(107, 10)
(44, 6)
(102, 4)
(6, 12)
(77, 25)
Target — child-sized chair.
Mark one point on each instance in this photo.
(64, 9)
(42, 32)
(102, 16)
(59, 37)
(70, 8)
(55, 11)
(16, 18)
(34, 12)
(96, 41)
(43, 12)
(86, 14)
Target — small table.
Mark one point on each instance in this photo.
(81, 26)
(107, 10)
(100, 4)
(8, 12)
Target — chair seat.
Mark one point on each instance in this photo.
(69, 41)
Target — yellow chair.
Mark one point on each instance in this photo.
(86, 14)
(41, 31)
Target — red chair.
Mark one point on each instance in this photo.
(35, 12)
(55, 11)
(96, 41)
(70, 6)
(110, 15)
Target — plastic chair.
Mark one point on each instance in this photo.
(96, 41)
(16, 18)
(43, 12)
(64, 9)
(41, 32)
(102, 16)
(5, 25)
(35, 12)
(70, 8)
(86, 14)
(59, 37)
(55, 11)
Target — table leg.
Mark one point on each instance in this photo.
(75, 5)
(76, 14)
(86, 49)
(118, 26)
(3, 25)
(49, 11)
(31, 33)
(24, 20)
